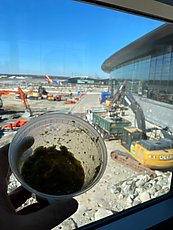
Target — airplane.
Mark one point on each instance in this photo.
(51, 81)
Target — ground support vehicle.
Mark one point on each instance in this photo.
(104, 96)
(33, 95)
(58, 97)
(108, 127)
(50, 97)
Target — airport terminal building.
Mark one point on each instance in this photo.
(147, 66)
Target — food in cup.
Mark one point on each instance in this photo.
(52, 171)
(58, 129)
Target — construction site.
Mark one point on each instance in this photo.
(140, 154)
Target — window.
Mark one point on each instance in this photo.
(62, 46)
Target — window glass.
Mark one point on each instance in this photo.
(63, 55)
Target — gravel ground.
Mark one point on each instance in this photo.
(101, 200)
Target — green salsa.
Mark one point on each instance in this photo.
(52, 171)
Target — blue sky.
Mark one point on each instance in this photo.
(63, 37)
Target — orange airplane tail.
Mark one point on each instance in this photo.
(48, 79)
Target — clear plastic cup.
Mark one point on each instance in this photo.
(59, 129)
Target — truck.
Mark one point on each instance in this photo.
(109, 127)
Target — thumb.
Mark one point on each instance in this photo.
(50, 216)
(25, 144)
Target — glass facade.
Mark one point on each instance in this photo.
(150, 76)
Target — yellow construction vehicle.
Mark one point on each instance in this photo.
(155, 153)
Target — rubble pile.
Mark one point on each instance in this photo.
(142, 188)
(128, 193)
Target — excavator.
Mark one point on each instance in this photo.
(113, 103)
(22, 96)
(154, 153)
